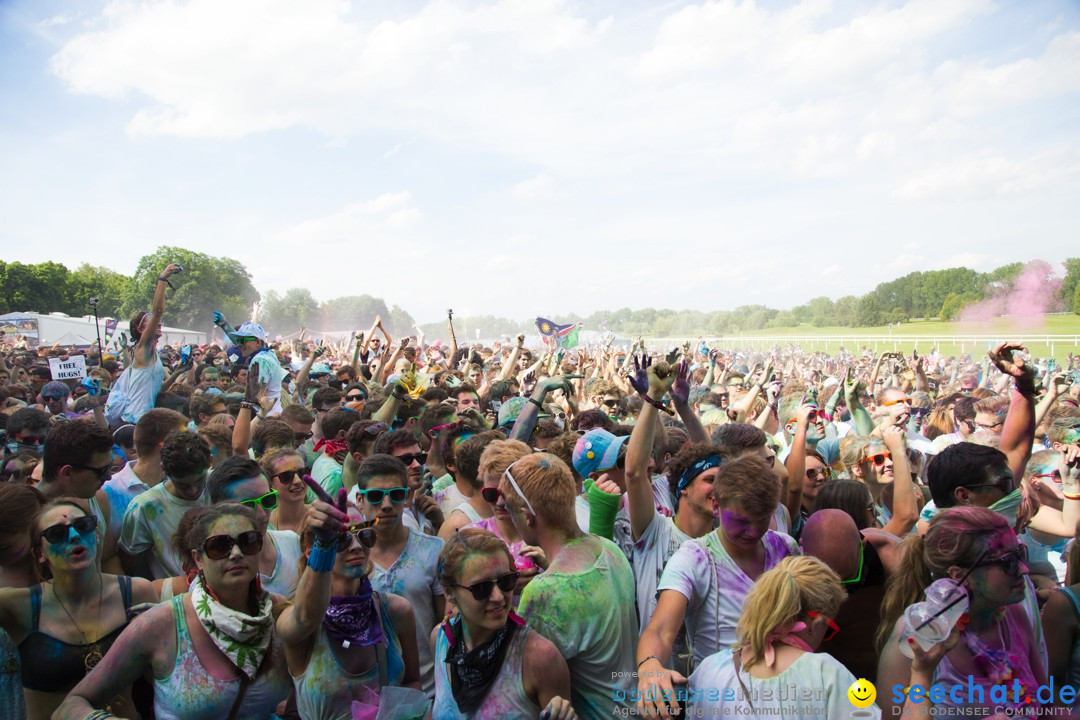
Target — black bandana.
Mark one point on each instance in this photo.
(353, 619)
(473, 671)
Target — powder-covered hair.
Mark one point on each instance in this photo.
(782, 596)
(463, 544)
(748, 482)
(957, 536)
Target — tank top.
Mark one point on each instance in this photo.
(53, 666)
(189, 692)
(470, 512)
(505, 699)
(325, 690)
(134, 393)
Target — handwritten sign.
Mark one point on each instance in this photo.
(74, 368)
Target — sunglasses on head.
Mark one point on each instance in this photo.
(833, 627)
(420, 457)
(482, 590)
(878, 458)
(375, 495)
(267, 501)
(286, 477)
(56, 534)
(363, 532)
(217, 547)
(103, 473)
(377, 428)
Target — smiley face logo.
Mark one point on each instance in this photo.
(862, 693)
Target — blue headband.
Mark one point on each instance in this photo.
(688, 475)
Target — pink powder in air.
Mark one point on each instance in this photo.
(1030, 296)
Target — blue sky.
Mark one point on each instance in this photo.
(542, 157)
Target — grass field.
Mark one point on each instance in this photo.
(950, 338)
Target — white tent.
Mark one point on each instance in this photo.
(47, 329)
(72, 340)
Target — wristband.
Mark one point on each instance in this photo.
(247, 404)
(655, 403)
(651, 657)
(1067, 496)
(99, 715)
(322, 559)
(537, 403)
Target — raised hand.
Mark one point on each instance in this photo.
(172, 269)
(1004, 360)
(319, 351)
(326, 516)
(680, 387)
(639, 380)
(219, 319)
(561, 382)
(404, 343)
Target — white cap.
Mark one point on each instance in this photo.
(250, 329)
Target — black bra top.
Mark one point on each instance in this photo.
(51, 665)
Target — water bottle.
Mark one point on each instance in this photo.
(945, 603)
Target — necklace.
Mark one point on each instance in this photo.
(93, 655)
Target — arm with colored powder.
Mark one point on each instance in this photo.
(388, 367)
(222, 323)
(359, 338)
(860, 418)
(1054, 389)
(680, 395)
(905, 509)
(654, 647)
(389, 409)
(526, 419)
(1018, 433)
(711, 372)
(640, 446)
(796, 461)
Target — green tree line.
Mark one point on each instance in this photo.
(220, 283)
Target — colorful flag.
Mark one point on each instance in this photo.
(110, 330)
(563, 335)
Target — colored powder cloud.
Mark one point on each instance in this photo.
(1031, 295)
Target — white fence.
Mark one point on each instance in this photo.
(967, 343)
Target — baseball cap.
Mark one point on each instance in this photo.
(597, 450)
(509, 410)
(55, 390)
(250, 329)
(319, 369)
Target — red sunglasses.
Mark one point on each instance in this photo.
(491, 494)
(833, 627)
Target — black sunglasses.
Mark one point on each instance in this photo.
(56, 534)
(611, 403)
(1009, 562)
(217, 547)
(301, 438)
(103, 473)
(481, 591)
(420, 457)
(356, 398)
(286, 477)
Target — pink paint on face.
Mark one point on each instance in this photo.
(741, 530)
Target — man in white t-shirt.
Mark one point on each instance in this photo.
(146, 540)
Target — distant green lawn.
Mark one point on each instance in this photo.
(904, 336)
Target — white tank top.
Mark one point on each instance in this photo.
(505, 699)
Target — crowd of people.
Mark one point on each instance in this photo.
(395, 528)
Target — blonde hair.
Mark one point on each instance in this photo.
(781, 596)
(501, 454)
(547, 483)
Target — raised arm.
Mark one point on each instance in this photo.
(388, 367)
(526, 419)
(796, 461)
(680, 395)
(144, 349)
(905, 509)
(511, 363)
(651, 386)
(328, 518)
(864, 424)
(1018, 433)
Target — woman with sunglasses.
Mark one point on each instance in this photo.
(285, 468)
(65, 625)
(786, 615)
(343, 641)
(884, 462)
(488, 664)
(214, 651)
(1003, 641)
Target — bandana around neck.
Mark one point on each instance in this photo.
(472, 672)
(785, 636)
(352, 620)
(331, 447)
(244, 639)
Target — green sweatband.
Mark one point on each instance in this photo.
(603, 507)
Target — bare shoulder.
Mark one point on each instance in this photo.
(400, 608)
(143, 591)
(540, 650)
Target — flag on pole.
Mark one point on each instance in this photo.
(561, 335)
(110, 330)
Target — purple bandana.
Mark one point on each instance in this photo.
(353, 619)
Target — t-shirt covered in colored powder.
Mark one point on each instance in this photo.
(415, 577)
(286, 573)
(651, 553)
(590, 617)
(815, 686)
(271, 373)
(134, 393)
(449, 498)
(327, 472)
(150, 523)
(121, 489)
(715, 587)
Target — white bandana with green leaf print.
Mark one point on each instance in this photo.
(243, 638)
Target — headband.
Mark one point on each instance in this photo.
(688, 475)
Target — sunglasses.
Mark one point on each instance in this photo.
(482, 590)
(1010, 562)
(491, 494)
(919, 413)
(408, 459)
(217, 547)
(103, 473)
(377, 428)
(57, 534)
(819, 473)
(286, 477)
(32, 440)
(815, 414)
(363, 532)
(878, 458)
(302, 437)
(897, 401)
(355, 398)
(243, 340)
(1055, 475)
(375, 496)
(611, 403)
(268, 501)
(833, 627)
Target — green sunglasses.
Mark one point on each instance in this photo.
(268, 501)
(862, 557)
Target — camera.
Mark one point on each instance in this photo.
(93, 302)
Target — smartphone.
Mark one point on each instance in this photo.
(185, 354)
(319, 342)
